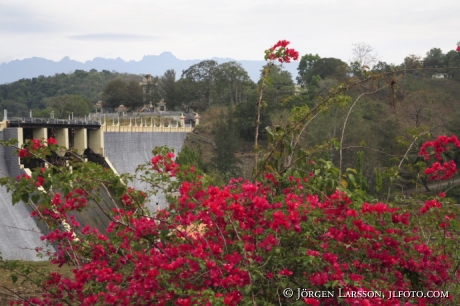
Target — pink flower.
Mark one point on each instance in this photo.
(52, 141)
(40, 181)
(24, 153)
(281, 53)
(286, 272)
(312, 301)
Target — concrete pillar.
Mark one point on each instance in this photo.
(182, 120)
(80, 140)
(40, 133)
(197, 119)
(20, 137)
(62, 138)
(96, 141)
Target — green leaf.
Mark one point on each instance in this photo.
(14, 278)
(247, 289)
(25, 197)
(35, 198)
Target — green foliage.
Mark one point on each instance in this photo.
(305, 65)
(226, 141)
(64, 105)
(326, 67)
(246, 117)
(114, 94)
(168, 89)
(279, 87)
(232, 84)
(453, 193)
(118, 93)
(200, 78)
(135, 95)
(207, 83)
(434, 58)
(189, 157)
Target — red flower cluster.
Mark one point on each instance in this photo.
(34, 145)
(165, 164)
(52, 141)
(430, 204)
(40, 181)
(439, 170)
(24, 153)
(281, 52)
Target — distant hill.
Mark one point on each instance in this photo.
(153, 64)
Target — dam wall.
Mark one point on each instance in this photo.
(19, 233)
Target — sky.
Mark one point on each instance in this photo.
(237, 29)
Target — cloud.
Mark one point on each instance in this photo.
(18, 20)
(112, 37)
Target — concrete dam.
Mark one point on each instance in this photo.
(123, 148)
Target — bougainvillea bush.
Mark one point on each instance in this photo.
(242, 243)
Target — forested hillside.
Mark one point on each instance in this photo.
(384, 110)
(375, 128)
(34, 94)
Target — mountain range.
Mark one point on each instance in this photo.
(153, 64)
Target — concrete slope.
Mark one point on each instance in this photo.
(19, 233)
(126, 151)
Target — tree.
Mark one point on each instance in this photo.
(189, 157)
(232, 83)
(327, 67)
(246, 117)
(115, 94)
(168, 89)
(201, 79)
(364, 55)
(279, 87)
(134, 95)
(434, 58)
(305, 65)
(151, 91)
(65, 105)
(413, 62)
(453, 61)
(226, 140)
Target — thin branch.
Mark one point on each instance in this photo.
(403, 158)
(15, 295)
(259, 107)
(345, 125)
(369, 148)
